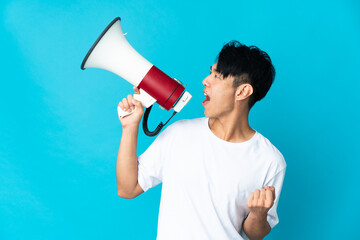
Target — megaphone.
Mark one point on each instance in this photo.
(111, 51)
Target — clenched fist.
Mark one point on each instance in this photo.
(128, 104)
(260, 201)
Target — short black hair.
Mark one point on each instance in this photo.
(247, 65)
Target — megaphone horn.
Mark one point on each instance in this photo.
(111, 51)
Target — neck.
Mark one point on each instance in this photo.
(232, 128)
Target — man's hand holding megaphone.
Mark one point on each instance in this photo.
(129, 104)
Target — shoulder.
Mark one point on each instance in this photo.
(184, 124)
(271, 153)
(180, 130)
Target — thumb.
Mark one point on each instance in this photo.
(136, 90)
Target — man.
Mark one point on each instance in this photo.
(221, 178)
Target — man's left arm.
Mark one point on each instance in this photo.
(259, 203)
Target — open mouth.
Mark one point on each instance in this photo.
(207, 98)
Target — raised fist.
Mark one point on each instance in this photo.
(128, 104)
(260, 201)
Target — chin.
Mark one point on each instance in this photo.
(210, 114)
(207, 114)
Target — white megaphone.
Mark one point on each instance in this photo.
(112, 52)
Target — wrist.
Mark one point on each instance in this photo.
(258, 216)
(131, 128)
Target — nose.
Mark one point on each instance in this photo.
(205, 82)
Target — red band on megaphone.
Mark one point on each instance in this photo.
(163, 88)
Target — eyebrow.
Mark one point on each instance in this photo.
(213, 70)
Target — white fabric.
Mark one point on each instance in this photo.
(207, 181)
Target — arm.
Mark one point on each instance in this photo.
(259, 203)
(256, 227)
(127, 165)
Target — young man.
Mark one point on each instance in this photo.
(221, 178)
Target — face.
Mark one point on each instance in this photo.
(219, 94)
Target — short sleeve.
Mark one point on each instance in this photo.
(151, 162)
(277, 182)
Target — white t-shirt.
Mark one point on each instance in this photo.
(207, 181)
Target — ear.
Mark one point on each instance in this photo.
(243, 91)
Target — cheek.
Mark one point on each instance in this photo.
(223, 97)
(228, 96)
(224, 101)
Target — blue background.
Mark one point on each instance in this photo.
(60, 132)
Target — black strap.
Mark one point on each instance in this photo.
(158, 128)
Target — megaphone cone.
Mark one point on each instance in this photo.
(111, 51)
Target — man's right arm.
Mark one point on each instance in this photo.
(127, 164)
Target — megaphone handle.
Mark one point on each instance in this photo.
(145, 99)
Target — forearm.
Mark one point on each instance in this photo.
(256, 227)
(127, 165)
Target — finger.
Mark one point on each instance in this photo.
(126, 104)
(251, 196)
(263, 194)
(270, 195)
(121, 105)
(131, 104)
(256, 194)
(136, 90)
(250, 200)
(136, 102)
(272, 189)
